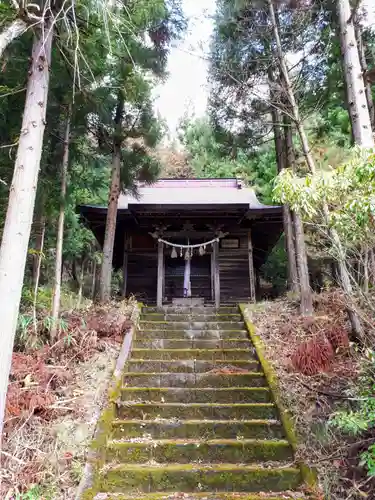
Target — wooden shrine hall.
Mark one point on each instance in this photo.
(199, 238)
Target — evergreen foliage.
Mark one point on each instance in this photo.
(94, 55)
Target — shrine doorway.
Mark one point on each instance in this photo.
(175, 280)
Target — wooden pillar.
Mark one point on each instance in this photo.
(212, 276)
(257, 285)
(125, 265)
(251, 268)
(160, 279)
(164, 279)
(216, 270)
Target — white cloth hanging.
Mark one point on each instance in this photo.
(187, 285)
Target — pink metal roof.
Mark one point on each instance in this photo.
(193, 192)
(196, 183)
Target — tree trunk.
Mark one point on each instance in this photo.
(17, 228)
(280, 148)
(344, 274)
(81, 279)
(75, 272)
(114, 193)
(40, 202)
(288, 222)
(60, 230)
(36, 277)
(358, 108)
(366, 82)
(306, 305)
(372, 266)
(10, 33)
(366, 270)
(289, 90)
(303, 272)
(93, 282)
(345, 281)
(289, 230)
(39, 227)
(347, 91)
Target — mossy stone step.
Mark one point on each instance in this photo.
(196, 395)
(190, 334)
(204, 429)
(195, 417)
(225, 309)
(161, 343)
(245, 379)
(198, 316)
(190, 366)
(191, 325)
(206, 354)
(188, 451)
(198, 478)
(196, 411)
(169, 495)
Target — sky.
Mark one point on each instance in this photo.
(186, 88)
(369, 7)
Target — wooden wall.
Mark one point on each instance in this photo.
(142, 268)
(234, 272)
(142, 273)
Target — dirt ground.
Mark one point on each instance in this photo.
(312, 392)
(55, 397)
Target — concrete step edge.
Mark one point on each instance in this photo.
(254, 421)
(143, 349)
(200, 389)
(219, 362)
(199, 405)
(213, 442)
(208, 330)
(172, 495)
(154, 374)
(264, 466)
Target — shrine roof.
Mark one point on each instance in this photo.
(185, 192)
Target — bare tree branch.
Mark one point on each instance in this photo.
(11, 32)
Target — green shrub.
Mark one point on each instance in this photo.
(361, 418)
(43, 300)
(368, 460)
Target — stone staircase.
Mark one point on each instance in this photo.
(195, 418)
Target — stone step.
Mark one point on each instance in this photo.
(191, 366)
(184, 451)
(175, 412)
(230, 309)
(191, 325)
(197, 478)
(195, 418)
(190, 334)
(162, 343)
(203, 429)
(196, 395)
(201, 354)
(245, 379)
(235, 495)
(195, 317)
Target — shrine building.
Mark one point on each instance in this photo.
(199, 238)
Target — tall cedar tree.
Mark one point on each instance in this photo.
(134, 127)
